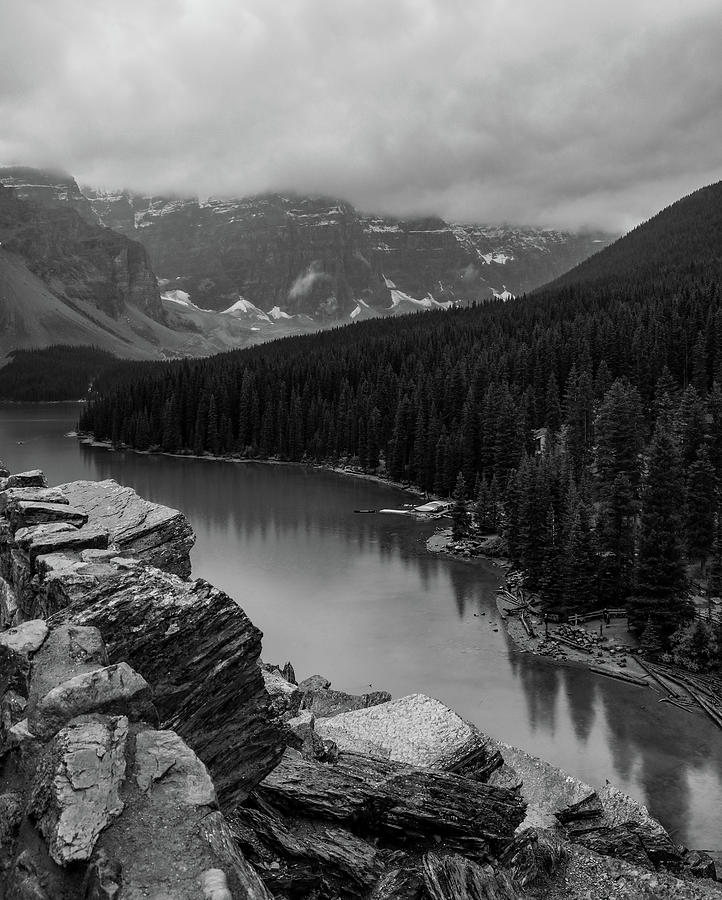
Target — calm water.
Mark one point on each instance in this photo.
(358, 599)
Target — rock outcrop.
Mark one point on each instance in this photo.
(154, 534)
(96, 800)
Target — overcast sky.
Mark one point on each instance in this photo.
(553, 112)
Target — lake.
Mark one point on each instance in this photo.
(359, 599)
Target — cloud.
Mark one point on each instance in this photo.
(305, 282)
(567, 112)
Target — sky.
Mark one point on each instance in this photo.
(563, 113)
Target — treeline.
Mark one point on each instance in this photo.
(585, 419)
(58, 372)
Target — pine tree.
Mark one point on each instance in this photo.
(660, 593)
(459, 512)
(579, 562)
(700, 507)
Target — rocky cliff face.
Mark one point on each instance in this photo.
(320, 257)
(83, 263)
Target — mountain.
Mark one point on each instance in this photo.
(66, 279)
(80, 266)
(320, 257)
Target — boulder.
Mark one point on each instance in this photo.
(285, 697)
(113, 689)
(165, 765)
(31, 478)
(17, 646)
(25, 639)
(156, 534)
(415, 729)
(76, 793)
(68, 651)
(314, 683)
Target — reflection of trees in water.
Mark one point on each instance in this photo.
(664, 744)
(541, 682)
(581, 696)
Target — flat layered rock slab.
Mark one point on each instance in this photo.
(60, 537)
(31, 495)
(24, 513)
(415, 729)
(157, 534)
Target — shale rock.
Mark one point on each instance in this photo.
(200, 653)
(155, 534)
(24, 513)
(29, 479)
(401, 804)
(77, 789)
(60, 537)
(306, 855)
(324, 702)
(30, 495)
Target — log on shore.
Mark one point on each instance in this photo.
(621, 676)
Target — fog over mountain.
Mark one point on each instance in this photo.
(565, 114)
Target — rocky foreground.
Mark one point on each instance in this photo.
(146, 750)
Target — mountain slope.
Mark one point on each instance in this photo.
(686, 237)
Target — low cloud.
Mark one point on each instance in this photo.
(558, 113)
(305, 282)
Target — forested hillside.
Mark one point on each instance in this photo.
(623, 373)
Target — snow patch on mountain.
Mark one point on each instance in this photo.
(277, 313)
(243, 308)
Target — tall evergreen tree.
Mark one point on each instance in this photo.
(460, 519)
(700, 507)
(660, 597)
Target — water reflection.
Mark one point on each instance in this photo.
(358, 598)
